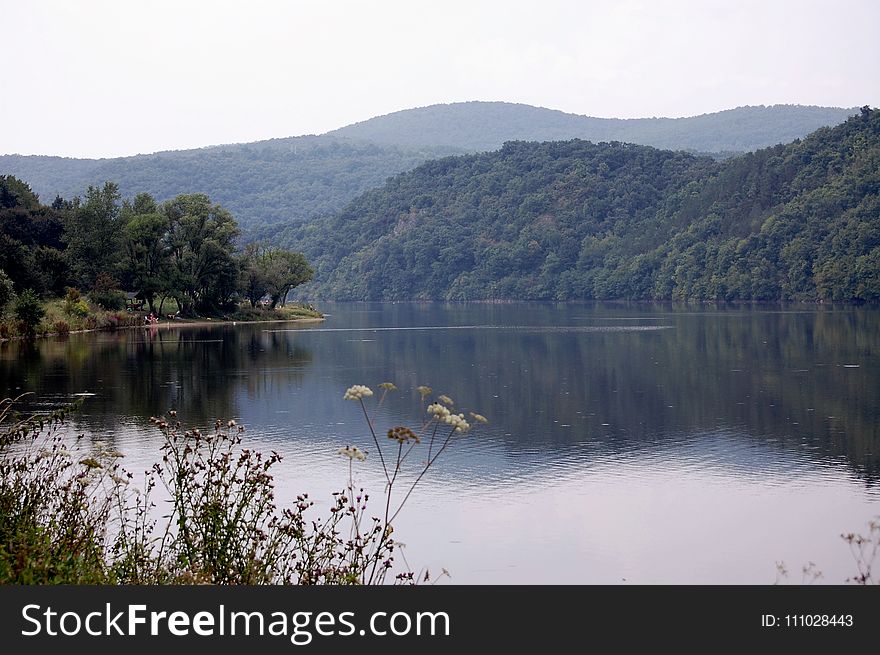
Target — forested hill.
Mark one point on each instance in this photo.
(479, 126)
(574, 220)
(297, 178)
(262, 183)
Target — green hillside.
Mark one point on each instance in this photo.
(281, 180)
(575, 220)
(294, 179)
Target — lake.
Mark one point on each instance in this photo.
(627, 443)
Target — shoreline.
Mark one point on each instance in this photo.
(208, 322)
(166, 324)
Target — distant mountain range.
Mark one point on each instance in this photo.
(477, 126)
(281, 181)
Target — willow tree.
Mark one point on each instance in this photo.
(203, 271)
(273, 272)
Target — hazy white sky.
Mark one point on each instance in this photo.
(93, 78)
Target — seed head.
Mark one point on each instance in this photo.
(353, 452)
(403, 434)
(357, 392)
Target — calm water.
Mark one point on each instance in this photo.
(640, 443)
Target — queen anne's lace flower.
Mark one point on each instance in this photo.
(439, 411)
(457, 421)
(403, 434)
(353, 452)
(357, 392)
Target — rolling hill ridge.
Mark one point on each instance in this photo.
(478, 126)
(287, 180)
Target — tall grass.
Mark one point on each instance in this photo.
(206, 512)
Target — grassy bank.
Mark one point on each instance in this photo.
(60, 317)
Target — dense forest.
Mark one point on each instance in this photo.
(294, 179)
(261, 183)
(576, 220)
(487, 125)
(98, 245)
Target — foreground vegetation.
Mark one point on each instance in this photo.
(72, 515)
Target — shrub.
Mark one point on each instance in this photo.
(105, 293)
(114, 320)
(62, 327)
(29, 311)
(71, 299)
(111, 300)
(80, 309)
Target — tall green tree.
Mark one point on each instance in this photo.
(201, 241)
(272, 271)
(253, 281)
(31, 249)
(93, 233)
(146, 257)
(284, 271)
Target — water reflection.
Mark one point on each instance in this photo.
(134, 374)
(781, 378)
(612, 378)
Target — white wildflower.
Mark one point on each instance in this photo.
(439, 411)
(357, 392)
(353, 452)
(457, 421)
